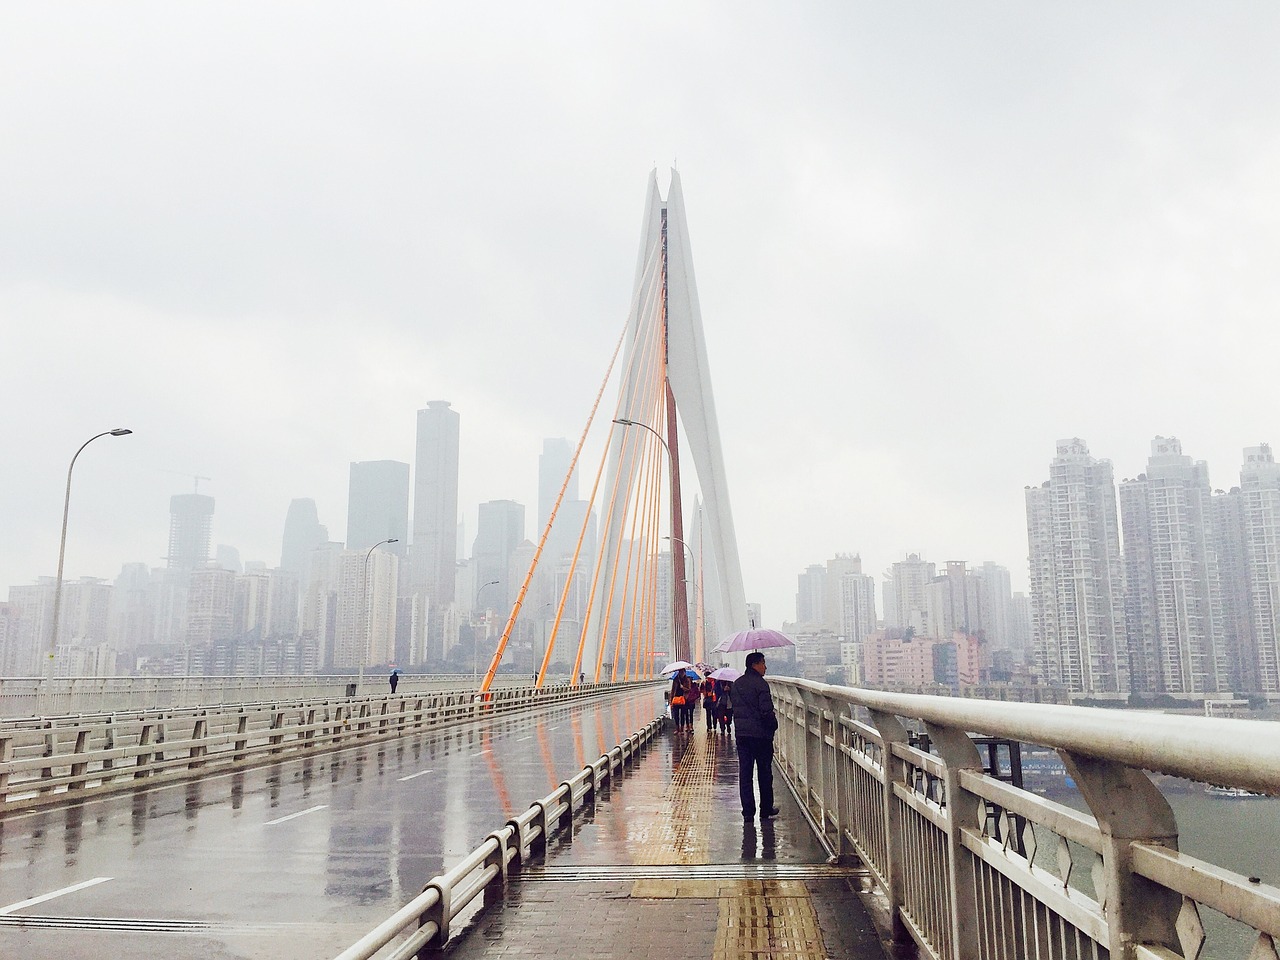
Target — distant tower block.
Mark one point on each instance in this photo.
(190, 530)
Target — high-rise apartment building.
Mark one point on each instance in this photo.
(190, 529)
(1227, 515)
(435, 517)
(210, 607)
(1260, 488)
(1173, 605)
(1073, 538)
(997, 597)
(378, 505)
(953, 602)
(365, 623)
(810, 588)
(904, 594)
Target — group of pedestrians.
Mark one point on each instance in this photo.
(747, 704)
(713, 696)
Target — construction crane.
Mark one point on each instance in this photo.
(194, 476)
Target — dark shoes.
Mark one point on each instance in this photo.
(771, 813)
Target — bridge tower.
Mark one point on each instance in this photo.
(665, 288)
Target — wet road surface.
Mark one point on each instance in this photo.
(297, 859)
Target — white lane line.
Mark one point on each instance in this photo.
(556, 727)
(49, 896)
(420, 773)
(481, 753)
(300, 813)
(523, 739)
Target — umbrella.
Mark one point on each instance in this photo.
(726, 673)
(676, 666)
(754, 640)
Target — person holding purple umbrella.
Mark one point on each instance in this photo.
(755, 723)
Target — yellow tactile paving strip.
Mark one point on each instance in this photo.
(757, 918)
(677, 829)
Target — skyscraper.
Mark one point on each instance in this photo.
(553, 465)
(499, 532)
(1173, 604)
(190, 528)
(1260, 487)
(953, 602)
(1073, 538)
(810, 586)
(303, 532)
(378, 505)
(435, 503)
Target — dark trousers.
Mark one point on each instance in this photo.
(755, 752)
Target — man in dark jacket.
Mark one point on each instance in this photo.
(754, 725)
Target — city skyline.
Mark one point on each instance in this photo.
(897, 214)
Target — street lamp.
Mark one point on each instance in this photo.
(537, 661)
(645, 426)
(364, 593)
(475, 643)
(62, 545)
(679, 599)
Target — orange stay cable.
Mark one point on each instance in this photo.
(645, 582)
(648, 358)
(638, 547)
(542, 542)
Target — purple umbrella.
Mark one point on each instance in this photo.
(753, 640)
(726, 673)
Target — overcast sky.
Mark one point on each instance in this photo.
(930, 240)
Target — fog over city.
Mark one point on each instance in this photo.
(930, 241)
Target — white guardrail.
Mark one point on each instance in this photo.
(975, 869)
(36, 696)
(50, 761)
(426, 918)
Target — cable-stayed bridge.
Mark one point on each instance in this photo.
(503, 817)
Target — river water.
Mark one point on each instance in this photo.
(1238, 834)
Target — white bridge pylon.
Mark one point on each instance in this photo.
(689, 376)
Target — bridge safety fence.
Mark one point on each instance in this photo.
(973, 868)
(60, 759)
(422, 927)
(34, 697)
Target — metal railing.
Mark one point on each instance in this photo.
(427, 918)
(55, 760)
(976, 869)
(32, 696)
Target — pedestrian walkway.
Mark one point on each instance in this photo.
(665, 868)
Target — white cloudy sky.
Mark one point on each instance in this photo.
(930, 239)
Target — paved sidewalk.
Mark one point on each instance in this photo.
(665, 868)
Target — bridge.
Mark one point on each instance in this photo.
(304, 818)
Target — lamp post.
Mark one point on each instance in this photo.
(364, 593)
(62, 545)
(475, 642)
(537, 661)
(679, 598)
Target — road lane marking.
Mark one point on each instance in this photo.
(420, 773)
(300, 813)
(49, 896)
(480, 754)
(523, 739)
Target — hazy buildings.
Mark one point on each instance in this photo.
(1073, 539)
(1173, 607)
(435, 518)
(378, 505)
(553, 467)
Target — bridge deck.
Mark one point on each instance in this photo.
(666, 867)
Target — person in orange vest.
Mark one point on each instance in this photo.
(709, 703)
